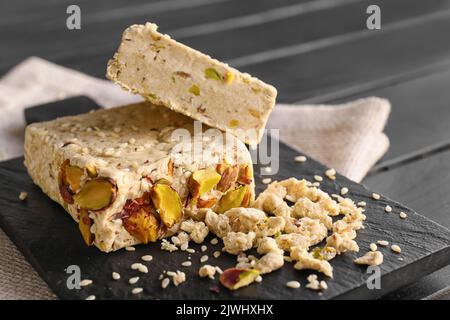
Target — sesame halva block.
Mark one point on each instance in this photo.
(185, 80)
(124, 178)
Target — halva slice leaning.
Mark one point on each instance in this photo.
(169, 73)
(128, 174)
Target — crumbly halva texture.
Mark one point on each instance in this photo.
(127, 177)
(173, 75)
(273, 227)
(371, 258)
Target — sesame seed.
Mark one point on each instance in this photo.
(133, 280)
(316, 184)
(373, 247)
(23, 196)
(376, 196)
(214, 241)
(85, 282)
(344, 191)
(293, 284)
(203, 248)
(161, 276)
(143, 269)
(318, 178)
(218, 270)
(258, 279)
(115, 276)
(334, 195)
(361, 204)
(266, 180)
(216, 254)
(396, 248)
(388, 208)
(171, 273)
(383, 243)
(184, 246)
(130, 248)
(323, 285)
(135, 266)
(331, 173)
(190, 250)
(147, 258)
(403, 215)
(165, 282)
(137, 290)
(204, 258)
(300, 159)
(186, 263)
(267, 169)
(91, 297)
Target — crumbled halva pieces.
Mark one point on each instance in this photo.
(371, 258)
(342, 242)
(197, 231)
(237, 242)
(207, 271)
(245, 219)
(306, 261)
(219, 224)
(271, 261)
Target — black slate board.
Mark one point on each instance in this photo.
(50, 240)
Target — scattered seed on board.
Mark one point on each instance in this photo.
(331, 173)
(135, 266)
(130, 248)
(143, 269)
(204, 258)
(316, 184)
(361, 204)
(267, 169)
(133, 280)
(137, 290)
(91, 297)
(214, 241)
(85, 282)
(323, 285)
(344, 191)
(373, 247)
(115, 276)
(190, 250)
(165, 282)
(300, 159)
(216, 254)
(23, 196)
(396, 248)
(147, 258)
(293, 284)
(258, 279)
(266, 180)
(403, 215)
(376, 196)
(184, 246)
(203, 248)
(318, 178)
(388, 208)
(186, 264)
(383, 243)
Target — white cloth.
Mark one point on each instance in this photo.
(347, 137)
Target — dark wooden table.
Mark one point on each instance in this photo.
(317, 51)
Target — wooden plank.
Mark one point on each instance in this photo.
(405, 46)
(303, 27)
(420, 118)
(423, 185)
(48, 36)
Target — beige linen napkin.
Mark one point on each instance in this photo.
(347, 137)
